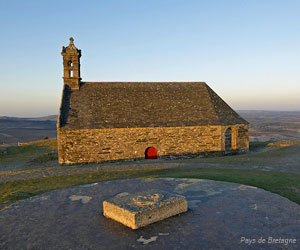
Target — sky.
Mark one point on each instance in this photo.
(247, 51)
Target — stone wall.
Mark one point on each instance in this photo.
(91, 145)
(243, 137)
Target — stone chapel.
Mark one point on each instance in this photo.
(102, 121)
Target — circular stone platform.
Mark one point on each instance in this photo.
(221, 216)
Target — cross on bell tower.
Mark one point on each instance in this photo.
(71, 61)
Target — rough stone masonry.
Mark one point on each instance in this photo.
(141, 209)
(101, 121)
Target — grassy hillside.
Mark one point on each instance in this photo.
(28, 155)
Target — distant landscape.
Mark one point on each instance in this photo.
(264, 126)
(272, 125)
(14, 130)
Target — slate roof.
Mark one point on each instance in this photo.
(144, 104)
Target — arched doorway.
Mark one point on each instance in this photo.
(228, 140)
(151, 153)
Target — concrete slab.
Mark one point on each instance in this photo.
(143, 208)
(221, 216)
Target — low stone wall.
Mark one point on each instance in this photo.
(91, 145)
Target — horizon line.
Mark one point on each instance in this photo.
(238, 110)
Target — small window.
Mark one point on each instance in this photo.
(71, 73)
(70, 63)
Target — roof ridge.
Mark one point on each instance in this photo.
(216, 105)
(207, 88)
(142, 82)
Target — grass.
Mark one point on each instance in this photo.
(34, 151)
(259, 159)
(284, 184)
(285, 143)
(255, 145)
(51, 156)
(18, 190)
(50, 143)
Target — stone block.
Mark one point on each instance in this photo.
(141, 209)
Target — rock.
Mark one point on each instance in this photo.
(141, 209)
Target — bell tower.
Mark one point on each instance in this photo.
(71, 61)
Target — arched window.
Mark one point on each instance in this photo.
(70, 63)
(228, 140)
(151, 153)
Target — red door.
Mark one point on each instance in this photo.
(151, 153)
